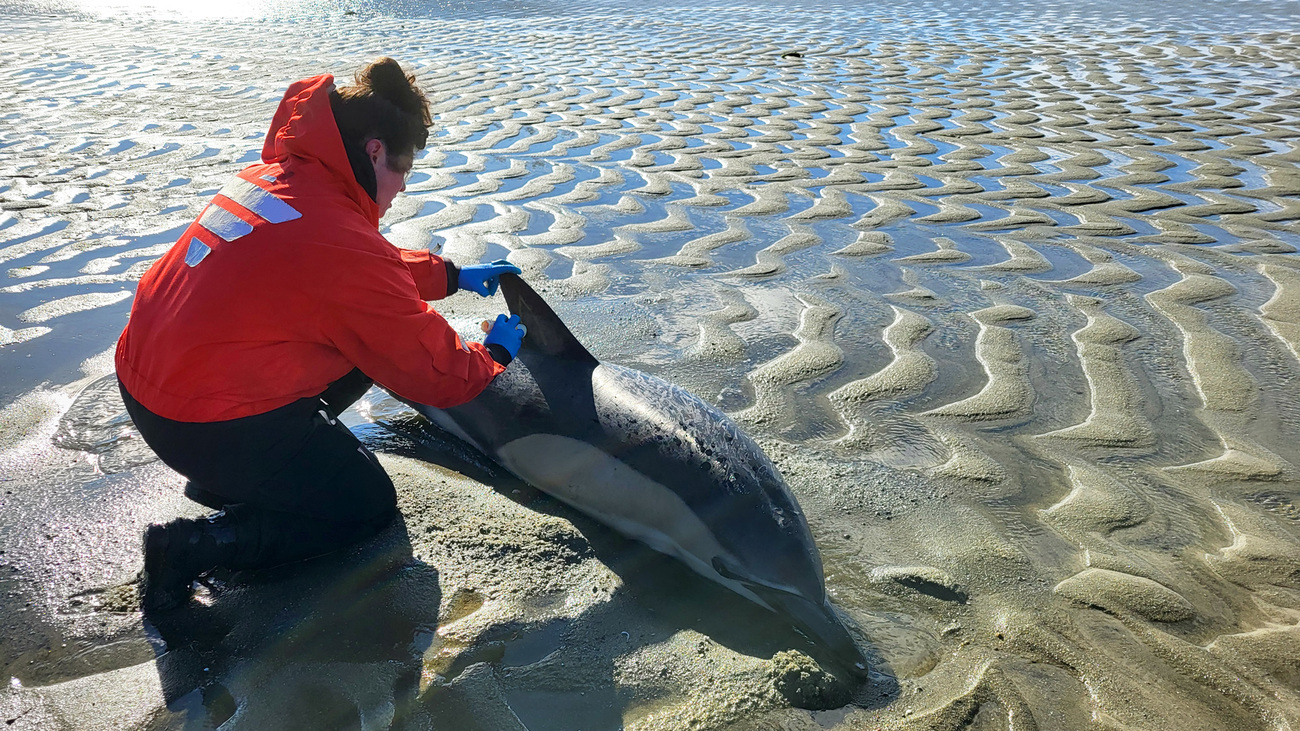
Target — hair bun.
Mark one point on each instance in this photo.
(386, 79)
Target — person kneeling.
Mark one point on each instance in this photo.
(277, 308)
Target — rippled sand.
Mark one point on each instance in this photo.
(1010, 293)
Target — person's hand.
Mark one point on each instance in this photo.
(484, 278)
(507, 332)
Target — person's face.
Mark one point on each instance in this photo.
(390, 173)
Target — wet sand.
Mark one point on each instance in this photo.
(1009, 293)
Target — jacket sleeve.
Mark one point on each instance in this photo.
(434, 276)
(378, 320)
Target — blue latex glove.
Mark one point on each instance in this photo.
(484, 278)
(508, 332)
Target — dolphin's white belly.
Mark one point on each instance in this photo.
(619, 496)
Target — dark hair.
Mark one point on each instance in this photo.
(383, 104)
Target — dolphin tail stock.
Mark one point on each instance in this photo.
(547, 333)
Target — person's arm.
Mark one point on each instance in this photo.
(377, 321)
(434, 276)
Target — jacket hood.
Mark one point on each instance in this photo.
(304, 127)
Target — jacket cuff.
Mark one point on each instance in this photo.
(432, 274)
(453, 277)
(499, 353)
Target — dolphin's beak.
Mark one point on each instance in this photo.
(821, 624)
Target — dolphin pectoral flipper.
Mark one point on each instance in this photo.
(547, 333)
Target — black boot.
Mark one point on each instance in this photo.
(178, 552)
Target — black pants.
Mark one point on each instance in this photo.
(294, 482)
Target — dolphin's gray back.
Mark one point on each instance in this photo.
(660, 432)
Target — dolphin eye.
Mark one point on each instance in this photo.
(721, 567)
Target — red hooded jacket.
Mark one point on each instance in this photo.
(284, 285)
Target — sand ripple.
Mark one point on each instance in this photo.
(1011, 295)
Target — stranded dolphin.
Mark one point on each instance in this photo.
(653, 462)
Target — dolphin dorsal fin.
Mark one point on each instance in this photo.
(546, 331)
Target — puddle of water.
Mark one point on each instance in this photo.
(1060, 217)
(989, 214)
(533, 644)
(1066, 264)
(566, 711)
(986, 182)
(990, 161)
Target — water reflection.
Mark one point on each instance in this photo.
(335, 642)
(184, 9)
(237, 9)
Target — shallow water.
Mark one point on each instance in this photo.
(1009, 291)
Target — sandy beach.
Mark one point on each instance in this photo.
(1009, 292)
